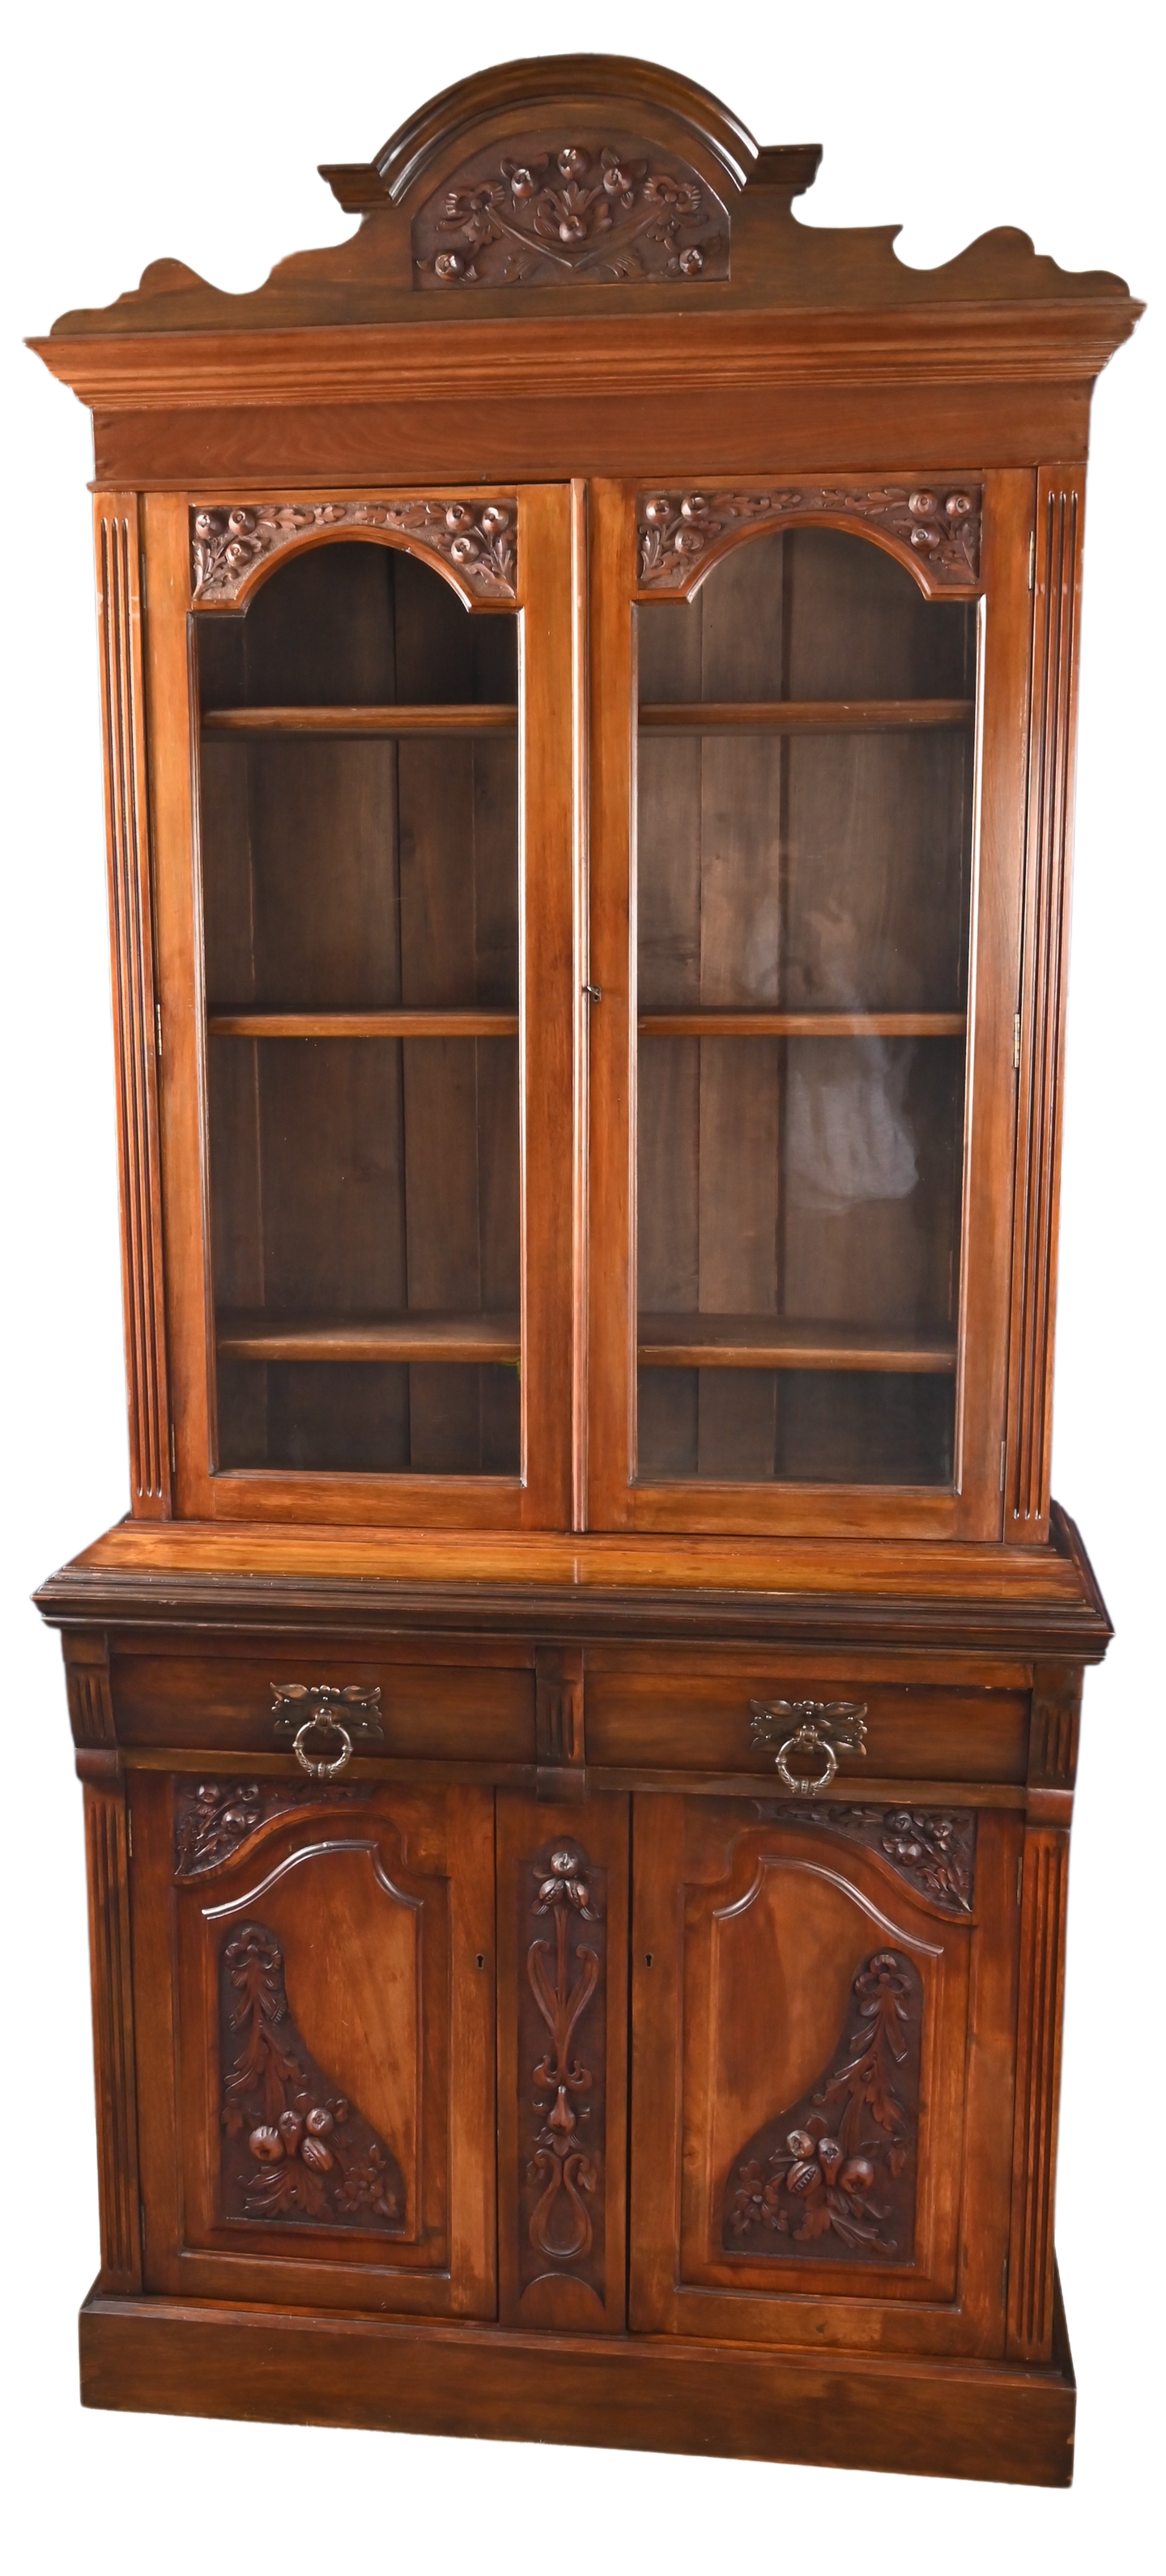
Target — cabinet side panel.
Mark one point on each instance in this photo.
(116, 538)
(107, 1860)
(1052, 725)
(1031, 2269)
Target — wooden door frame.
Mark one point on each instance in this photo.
(550, 684)
(973, 1507)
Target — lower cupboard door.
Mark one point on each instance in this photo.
(823, 2021)
(314, 2029)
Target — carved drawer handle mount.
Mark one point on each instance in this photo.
(320, 1709)
(816, 1726)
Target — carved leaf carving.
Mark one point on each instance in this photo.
(562, 2201)
(836, 2171)
(479, 538)
(546, 210)
(212, 1821)
(938, 524)
(933, 1849)
(294, 2149)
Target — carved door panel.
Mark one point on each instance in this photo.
(562, 2062)
(823, 2004)
(314, 1974)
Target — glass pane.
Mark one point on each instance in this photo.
(364, 1170)
(803, 894)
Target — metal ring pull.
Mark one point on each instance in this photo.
(806, 1740)
(828, 1727)
(322, 1722)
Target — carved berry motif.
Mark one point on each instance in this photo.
(836, 2171)
(293, 2149)
(583, 210)
(933, 1849)
(477, 538)
(940, 527)
(212, 1821)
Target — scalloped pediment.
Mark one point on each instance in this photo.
(595, 172)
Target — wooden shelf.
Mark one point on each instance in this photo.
(765, 1341)
(812, 715)
(491, 1338)
(390, 720)
(802, 1024)
(363, 1024)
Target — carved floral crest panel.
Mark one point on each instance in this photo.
(937, 524)
(833, 2176)
(476, 539)
(593, 209)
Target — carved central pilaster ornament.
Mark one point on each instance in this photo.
(938, 524)
(546, 210)
(478, 539)
(834, 2175)
(564, 1978)
(294, 2148)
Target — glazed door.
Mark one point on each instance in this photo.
(806, 881)
(367, 1118)
(314, 1977)
(823, 2009)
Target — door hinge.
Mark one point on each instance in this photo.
(158, 1026)
(129, 1834)
(142, 2226)
(1020, 1880)
(1032, 561)
(173, 1452)
(1003, 1455)
(1004, 2286)
(1016, 1044)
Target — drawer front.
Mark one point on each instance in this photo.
(684, 1721)
(428, 1711)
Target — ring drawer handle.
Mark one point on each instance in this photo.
(314, 1708)
(829, 1727)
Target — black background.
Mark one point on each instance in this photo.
(210, 155)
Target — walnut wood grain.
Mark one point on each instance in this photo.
(136, 1027)
(758, 1341)
(359, 720)
(824, 715)
(108, 1866)
(1031, 2264)
(363, 1024)
(1048, 856)
(412, 1338)
(801, 1024)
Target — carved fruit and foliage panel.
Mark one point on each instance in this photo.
(213, 1819)
(936, 524)
(294, 2149)
(933, 1849)
(594, 208)
(562, 2057)
(833, 2175)
(477, 539)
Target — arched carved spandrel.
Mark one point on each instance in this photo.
(214, 1819)
(932, 1849)
(834, 2175)
(933, 527)
(556, 208)
(473, 543)
(294, 2148)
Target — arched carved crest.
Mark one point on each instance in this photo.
(931, 525)
(472, 543)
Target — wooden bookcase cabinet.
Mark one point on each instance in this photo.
(579, 1725)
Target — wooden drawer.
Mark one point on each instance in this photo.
(675, 1719)
(457, 1712)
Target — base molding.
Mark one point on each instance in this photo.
(974, 2419)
